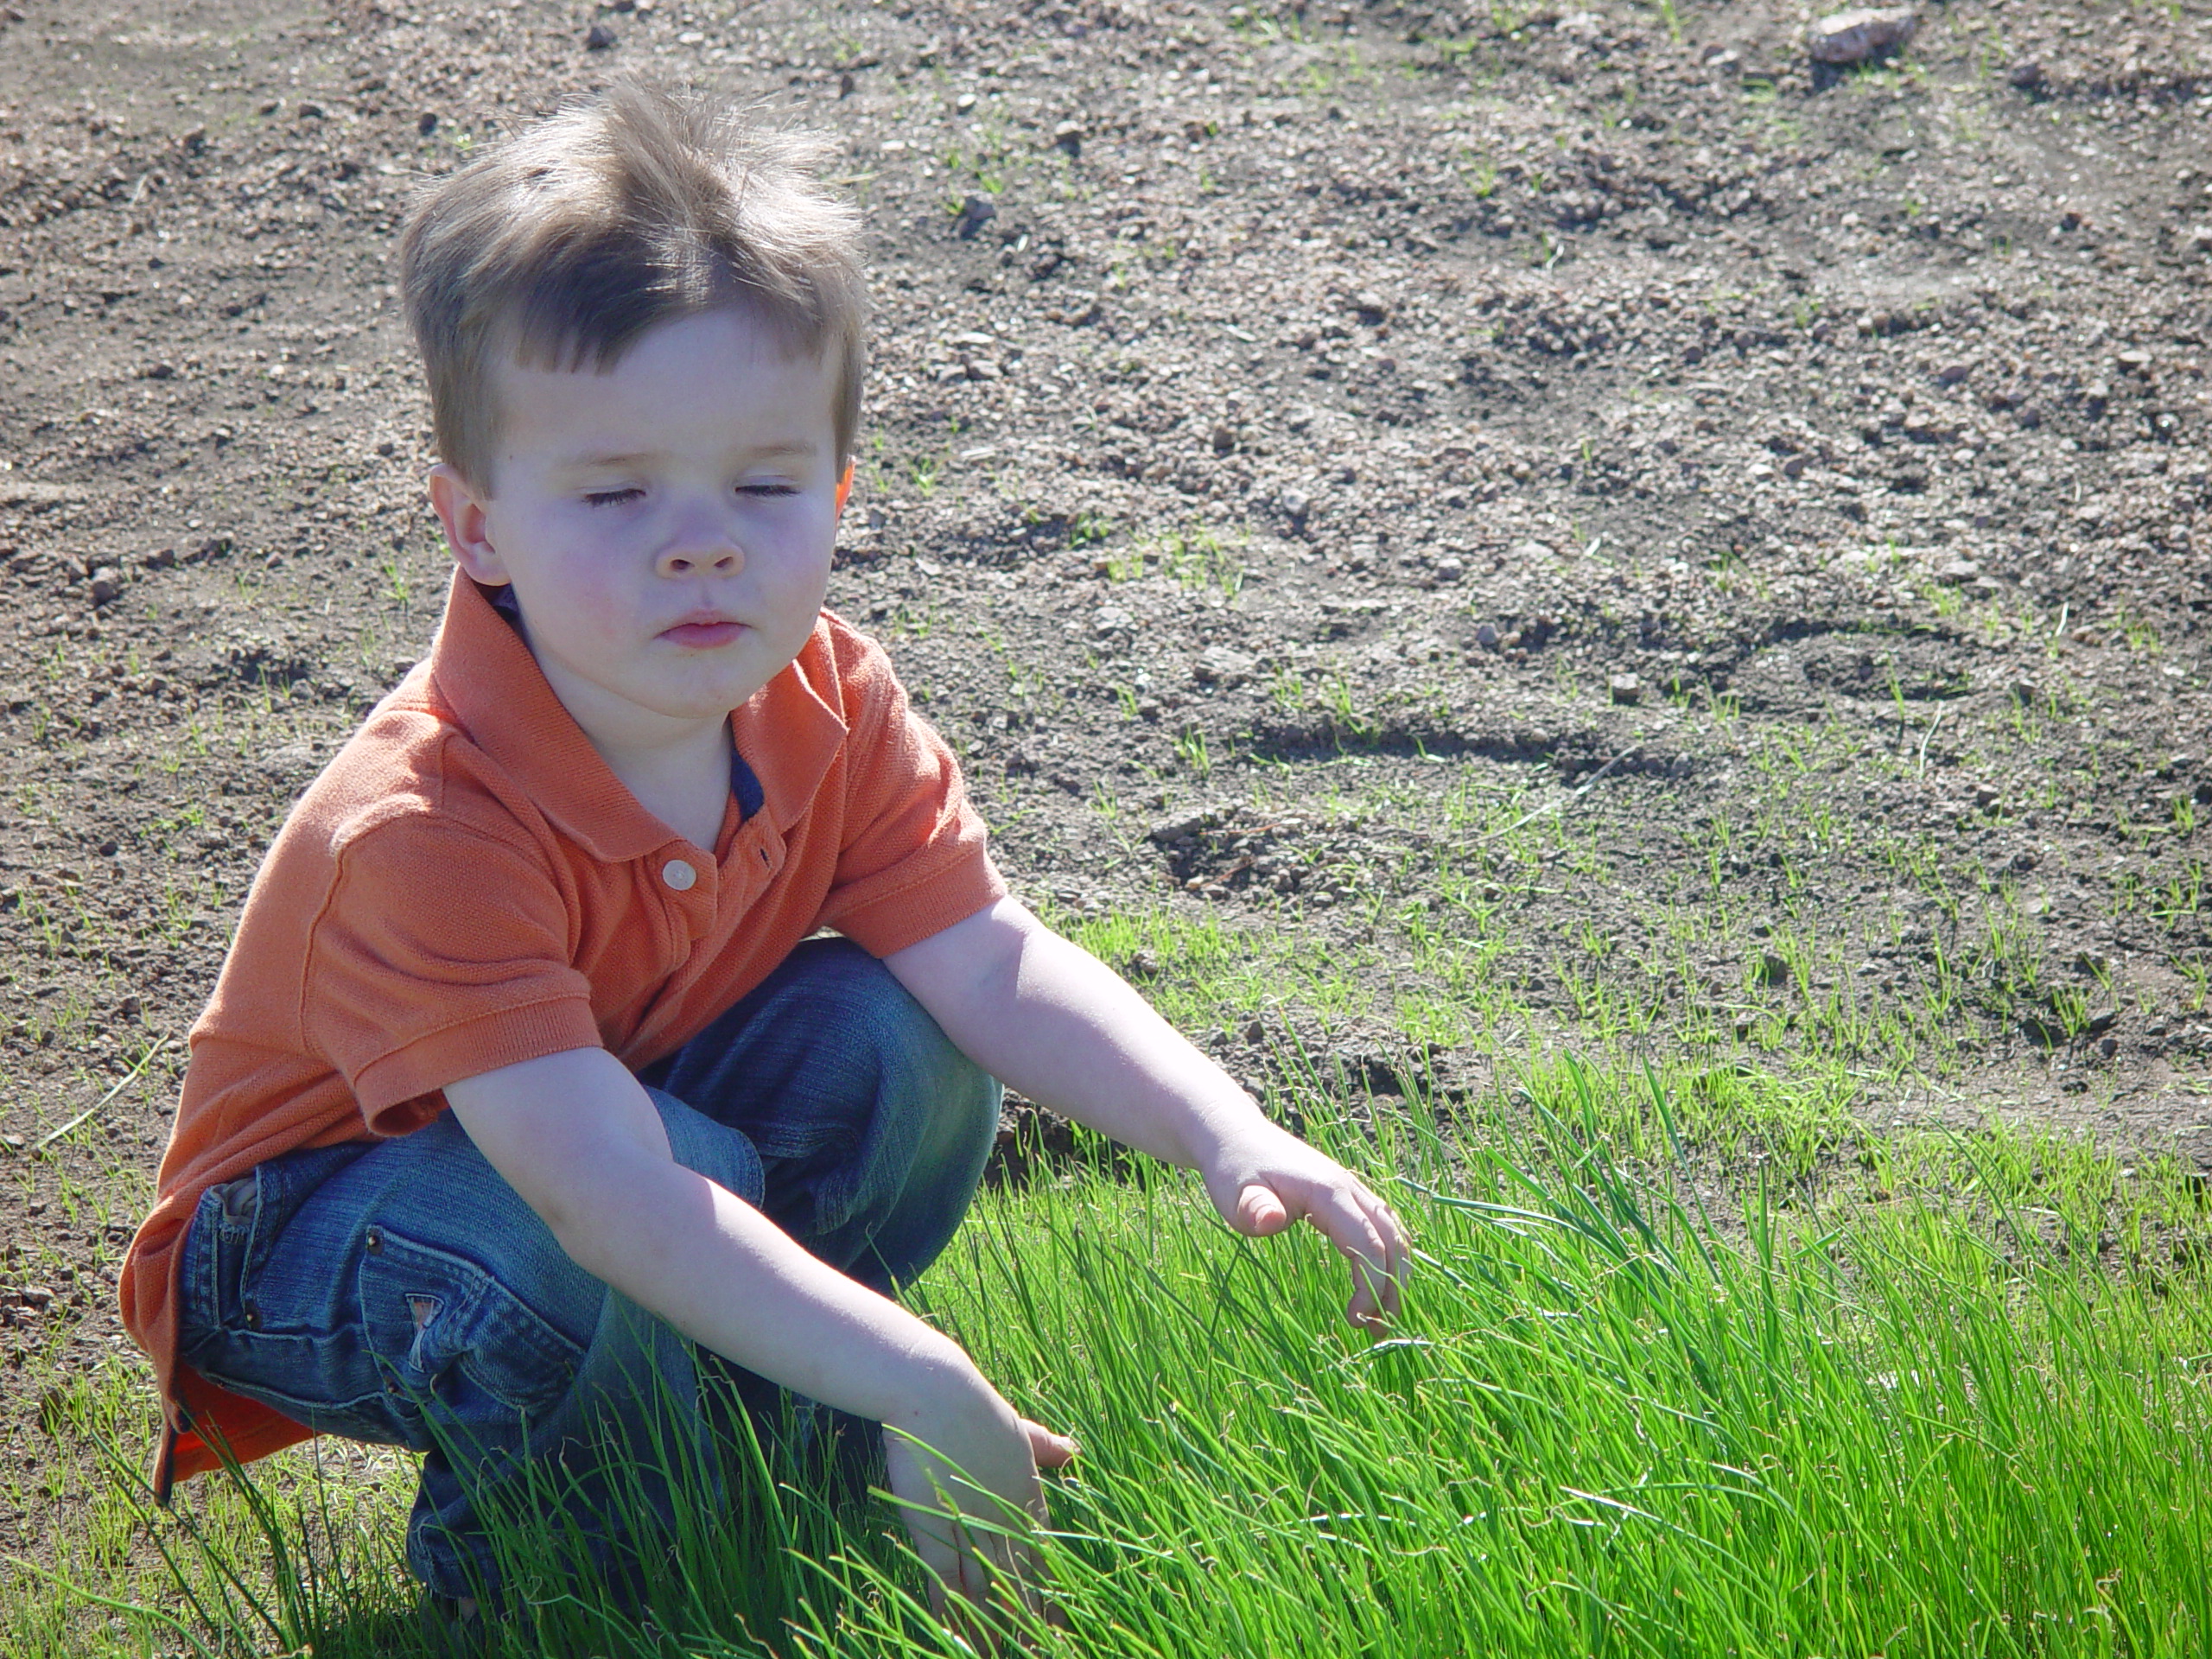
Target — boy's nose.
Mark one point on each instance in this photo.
(706, 557)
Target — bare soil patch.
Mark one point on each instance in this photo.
(1564, 519)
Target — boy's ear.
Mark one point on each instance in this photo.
(467, 528)
(844, 488)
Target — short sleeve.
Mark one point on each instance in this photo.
(442, 953)
(915, 857)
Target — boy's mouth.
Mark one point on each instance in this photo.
(702, 632)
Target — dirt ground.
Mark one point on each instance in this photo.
(1565, 511)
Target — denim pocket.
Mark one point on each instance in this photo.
(441, 1328)
(349, 1329)
(302, 1361)
(233, 1236)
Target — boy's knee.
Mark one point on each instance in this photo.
(924, 1073)
(884, 1014)
(972, 1095)
(706, 1147)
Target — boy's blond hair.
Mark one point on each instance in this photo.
(565, 244)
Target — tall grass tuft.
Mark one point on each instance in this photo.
(1609, 1423)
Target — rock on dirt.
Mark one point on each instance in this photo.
(1224, 666)
(1172, 832)
(975, 212)
(1849, 37)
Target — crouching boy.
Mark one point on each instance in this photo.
(527, 1093)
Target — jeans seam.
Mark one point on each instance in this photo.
(210, 1233)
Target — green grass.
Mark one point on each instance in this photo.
(1609, 1423)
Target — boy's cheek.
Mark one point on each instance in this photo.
(581, 591)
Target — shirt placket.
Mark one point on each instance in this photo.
(756, 854)
(691, 885)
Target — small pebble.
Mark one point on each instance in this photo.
(1221, 665)
(1856, 36)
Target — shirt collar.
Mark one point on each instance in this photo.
(480, 667)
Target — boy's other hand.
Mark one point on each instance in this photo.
(1263, 1177)
(999, 1455)
(1045, 1017)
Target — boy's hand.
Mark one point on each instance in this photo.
(1263, 1178)
(1000, 1454)
(1046, 1017)
(583, 1143)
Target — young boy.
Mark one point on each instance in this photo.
(526, 1094)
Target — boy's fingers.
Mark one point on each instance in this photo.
(1260, 1213)
(1050, 1450)
(1375, 1297)
(1397, 1246)
(1361, 1225)
(1360, 1240)
(1399, 1243)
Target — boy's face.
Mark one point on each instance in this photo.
(667, 525)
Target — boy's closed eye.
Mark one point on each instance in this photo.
(617, 498)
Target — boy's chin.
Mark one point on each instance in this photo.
(707, 704)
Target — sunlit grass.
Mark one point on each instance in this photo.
(1609, 1422)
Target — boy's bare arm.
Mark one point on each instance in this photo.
(577, 1138)
(1046, 1017)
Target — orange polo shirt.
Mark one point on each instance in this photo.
(467, 885)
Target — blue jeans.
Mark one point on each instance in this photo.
(400, 1292)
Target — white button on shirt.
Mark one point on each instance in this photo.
(679, 875)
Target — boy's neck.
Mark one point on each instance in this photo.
(686, 784)
(678, 770)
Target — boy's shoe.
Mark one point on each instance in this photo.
(455, 1623)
